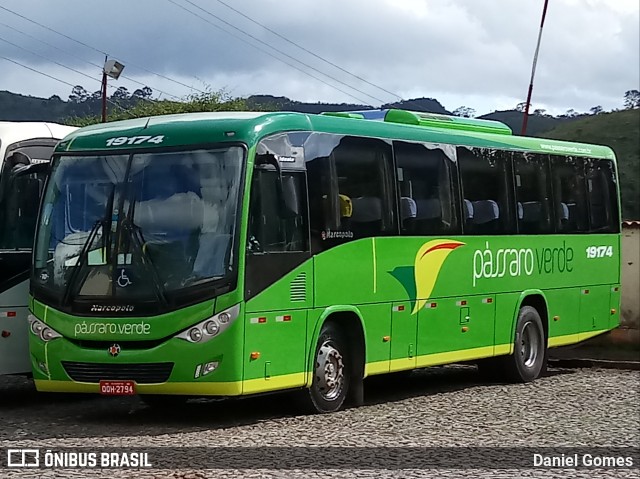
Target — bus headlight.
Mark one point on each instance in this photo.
(36, 326)
(44, 332)
(210, 327)
(195, 335)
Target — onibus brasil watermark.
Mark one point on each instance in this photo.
(48, 458)
(333, 457)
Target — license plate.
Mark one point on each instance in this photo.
(117, 388)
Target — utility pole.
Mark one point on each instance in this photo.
(525, 119)
(104, 93)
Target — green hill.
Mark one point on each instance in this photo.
(535, 125)
(619, 130)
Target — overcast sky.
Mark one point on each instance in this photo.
(461, 52)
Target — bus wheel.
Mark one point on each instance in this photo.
(529, 357)
(331, 376)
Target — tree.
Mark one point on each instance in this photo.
(596, 110)
(78, 94)
(464, 111)
(200, 102)
(571, 113)
(120, 94)
(521, 106)
(539, 112)
(632, 99)
(144, 93)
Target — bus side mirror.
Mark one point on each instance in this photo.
(22, 170)
(18, 158)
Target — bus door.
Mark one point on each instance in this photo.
(278, 282)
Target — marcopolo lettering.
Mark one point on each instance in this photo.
(125, 329)
(116, 308)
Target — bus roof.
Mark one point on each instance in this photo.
(14, 131)
(250, 127)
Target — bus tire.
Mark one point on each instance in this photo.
(331, 372)
(529, 357)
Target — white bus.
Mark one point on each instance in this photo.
(25, 150)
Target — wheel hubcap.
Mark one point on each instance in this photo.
(529, 345)
(329, 371)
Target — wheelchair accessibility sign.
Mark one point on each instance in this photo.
(123, 279)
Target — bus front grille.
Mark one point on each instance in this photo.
(143, 373)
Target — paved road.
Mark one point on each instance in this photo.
(439, 407)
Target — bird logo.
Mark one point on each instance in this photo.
(420, 280)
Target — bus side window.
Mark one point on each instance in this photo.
(486, 182)
(350, 189)
(601, 191)
(533, 193)
(569, 194)
(324, 202)
(428, 203)
(363, 170)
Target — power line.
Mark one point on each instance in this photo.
(390, 104)
(277, 50)
(82, 59)
(37, 71)
(309, 51)
(98, 50)
(56, 79)
(63, 66)
(52, 61)
(280, 51)
(266, 52)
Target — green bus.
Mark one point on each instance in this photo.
(228, 254)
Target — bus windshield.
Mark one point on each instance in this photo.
(138, 226)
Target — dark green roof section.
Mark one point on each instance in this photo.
(182, 130)
(249, 127)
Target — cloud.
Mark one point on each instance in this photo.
(459, 51)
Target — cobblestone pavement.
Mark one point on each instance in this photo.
(440, 407)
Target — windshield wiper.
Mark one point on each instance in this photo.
(103, 223)
(135, 236)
